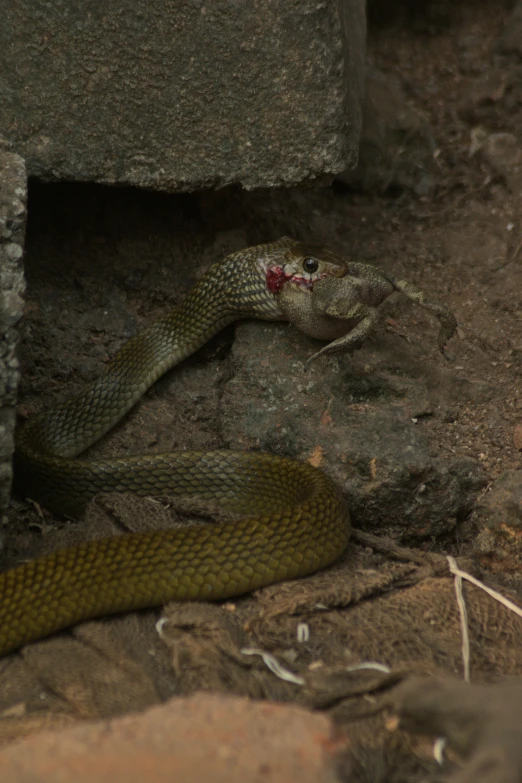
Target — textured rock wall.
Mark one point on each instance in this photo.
(182, 94)
(13, 191)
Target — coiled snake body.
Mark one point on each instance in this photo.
(292, 520)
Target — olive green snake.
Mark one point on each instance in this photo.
(289, 518)
(292, 518)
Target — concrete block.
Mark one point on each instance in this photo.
(13, 193)
(179, 95)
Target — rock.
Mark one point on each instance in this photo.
(501, 151)
(13, 192)
(467, 46)
(502, 154)
(356, 417)
(205, 737)
(493, 100)
(397, 143)
(498, 518)
(502, 505)
(510, 42)
(480, 96)
(179, 96)
(479, 722)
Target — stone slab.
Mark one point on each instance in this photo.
(203, 737)
(13, 193)
(180, 95)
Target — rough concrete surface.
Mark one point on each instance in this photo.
(13, 192)
(181, 94)
(205, 737)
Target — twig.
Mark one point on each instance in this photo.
(455, 570)
(464, 629)
(489, 590)
(510, 259)
(385, 545)
(273, 664)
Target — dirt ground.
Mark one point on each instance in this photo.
(103, 262)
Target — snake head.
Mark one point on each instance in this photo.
(294, 269)
(306, 264)
(300, 265)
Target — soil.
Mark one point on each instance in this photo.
(102, 262)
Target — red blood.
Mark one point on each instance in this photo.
(275, 277)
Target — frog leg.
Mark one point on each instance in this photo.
(335, 300)
(448, 322)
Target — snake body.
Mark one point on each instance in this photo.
(293, 520)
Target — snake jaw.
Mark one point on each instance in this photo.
(285, 265)
(305, 282)
(277, 276)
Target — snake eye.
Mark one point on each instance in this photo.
(310, 265)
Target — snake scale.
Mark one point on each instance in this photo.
(294, 522)
(289, 518)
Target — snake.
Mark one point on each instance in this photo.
(289, 518)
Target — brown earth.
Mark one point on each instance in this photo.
(435, 455)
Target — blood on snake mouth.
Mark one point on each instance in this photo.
(276, 277)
